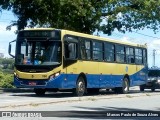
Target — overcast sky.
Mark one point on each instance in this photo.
(153, 43)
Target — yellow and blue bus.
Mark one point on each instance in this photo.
(55, 59)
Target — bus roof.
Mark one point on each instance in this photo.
(90, 36)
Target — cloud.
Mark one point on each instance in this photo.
(5, 38)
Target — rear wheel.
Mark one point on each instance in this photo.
(39, 91)
(125, 87)
(141, 87)
(80, 87)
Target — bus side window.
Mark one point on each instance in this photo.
(71, 51)
(130, 55)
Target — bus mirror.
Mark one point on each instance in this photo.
(10, 48)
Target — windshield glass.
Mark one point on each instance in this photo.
(154, 73)
(38, 53)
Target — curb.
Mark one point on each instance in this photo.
(68, 100)
(15, 90)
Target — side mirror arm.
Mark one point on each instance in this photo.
(9, 48)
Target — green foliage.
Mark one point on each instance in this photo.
(7, 63)
(6, 73)
(6, 80)
(85, 15)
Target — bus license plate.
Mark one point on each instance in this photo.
(32, 83)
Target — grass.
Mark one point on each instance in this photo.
(148, 94)
(33, 104)
(92, 99)
(128, 96)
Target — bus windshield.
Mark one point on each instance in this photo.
(38, 53)
(154, 73)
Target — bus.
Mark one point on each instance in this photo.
(49, 59)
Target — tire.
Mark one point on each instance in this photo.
(39, 91)
(153, 89)
(80, 87)
(141, 87)
(125, 87)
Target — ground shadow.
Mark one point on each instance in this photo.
(105, 113)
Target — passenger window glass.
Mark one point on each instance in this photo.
(130, 55)
(109, 52)
(144, 57)
(120, 56)
(85, 49)
(138, 56)
(97, 51)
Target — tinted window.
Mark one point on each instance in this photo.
(154, 73)
(130, 55)
(71, 47)
(138, 56)
(85, 49)
(97, 51)
(144, 57)
(120, 56)
(109, 52)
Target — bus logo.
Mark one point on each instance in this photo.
(32, 76)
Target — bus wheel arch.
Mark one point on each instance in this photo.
(125, 84)
(81, 85)
(85, 78)
(127, 76)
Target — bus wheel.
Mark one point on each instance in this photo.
(125, 87)
(153, 89)
(141, 87)
(39, 91)
(80, 87)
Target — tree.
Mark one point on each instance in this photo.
(85, 16)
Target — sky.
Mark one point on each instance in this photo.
(153, 42)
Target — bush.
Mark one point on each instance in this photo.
(6, 80)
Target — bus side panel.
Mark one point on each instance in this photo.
(92, 80)
(90, 69)
(112, 74)
(139, 78)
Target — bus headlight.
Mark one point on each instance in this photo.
(57, 74)
(54, 75)
(16, 75)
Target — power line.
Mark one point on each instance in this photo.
(146, 35)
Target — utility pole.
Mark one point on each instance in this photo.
(154, 54)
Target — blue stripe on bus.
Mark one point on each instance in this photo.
(93, 81)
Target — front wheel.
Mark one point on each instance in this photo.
(39, 91)
(153, 89)
(80, 87)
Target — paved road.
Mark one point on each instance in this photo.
(81, 107)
